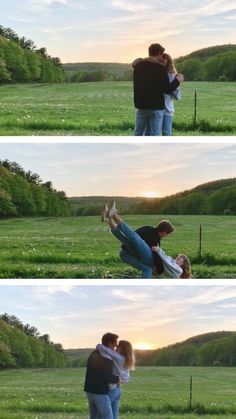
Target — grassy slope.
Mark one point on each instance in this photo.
(104, 108)
(83, 248)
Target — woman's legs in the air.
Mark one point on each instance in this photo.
(136, 253)
(134, 241)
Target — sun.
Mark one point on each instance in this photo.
(150, 194)
(142, 346)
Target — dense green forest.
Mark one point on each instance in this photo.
(217, 63)
(22, 61)
(211, 198)
(209, 349)
(22, 346)
(24, 194)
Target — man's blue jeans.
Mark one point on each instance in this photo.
(148, 122)
(137, 253)
(99, 406)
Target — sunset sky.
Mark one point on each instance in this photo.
(77, 316)
(120, 30)
(124, 169)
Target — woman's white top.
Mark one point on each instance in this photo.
(170, 266)
(175, 95)
(118, 360)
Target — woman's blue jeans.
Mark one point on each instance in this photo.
(137, 253)
(167, 125)
(114, 396)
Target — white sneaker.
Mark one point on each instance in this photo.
(105, 214)
(113, 210)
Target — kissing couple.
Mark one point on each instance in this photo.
(108, 368)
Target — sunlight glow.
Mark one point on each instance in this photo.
(150, 194)
(143, 346)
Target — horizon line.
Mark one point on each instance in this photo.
(166, 346)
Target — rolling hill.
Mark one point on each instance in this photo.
(120, 68)
(205, 53)
(201, 199)
(207, 349)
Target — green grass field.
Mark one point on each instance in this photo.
(154, 392)
(106, 108)
(82, 247)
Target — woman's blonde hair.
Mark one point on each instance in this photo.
(170, 66)
(187, 270)
(126, 349)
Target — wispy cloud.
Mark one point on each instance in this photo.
(132, 6)
(76, 316)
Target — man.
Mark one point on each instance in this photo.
(98, 376)
(151, 81)
(152, 236)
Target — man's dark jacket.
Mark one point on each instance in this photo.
(99, 374)
(151, 236)
(151, 81)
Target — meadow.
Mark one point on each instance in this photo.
(82, 247)
(153, 392)
(106, 108)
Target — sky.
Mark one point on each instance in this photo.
(120, 30)
(153, 170)
(77, 316)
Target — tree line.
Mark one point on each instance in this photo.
(22, 61)
(220, 67)
(98, 75)
(22, 346)
(216, 351)
(222, 202)
(209, 349)
(22, 193)
(212, 198)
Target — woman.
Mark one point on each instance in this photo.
(170, 263)
(139, 254)
(124, 361)
(168, 63)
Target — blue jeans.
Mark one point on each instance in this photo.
(148, 122)
(167, 125)
(99, 406)
(114, 396)
(137, 252)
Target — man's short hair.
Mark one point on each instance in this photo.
(155, 49)
(109, 338)
(165, 226)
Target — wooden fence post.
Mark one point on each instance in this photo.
(190, 392)
(195, 110)
(200, 242)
